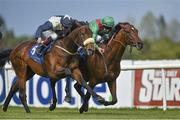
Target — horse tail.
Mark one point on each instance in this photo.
(4, 57)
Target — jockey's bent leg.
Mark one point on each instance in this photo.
(48, 36)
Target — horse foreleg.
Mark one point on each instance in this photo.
(53, 105)
(13, 90)
(78, 76)
(78, 87)
(68, 97)
(22, 94)
(66, 72)
(84, 107)
(112, 89)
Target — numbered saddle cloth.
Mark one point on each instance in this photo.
(36, 57)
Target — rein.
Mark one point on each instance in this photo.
(120, 43)
(66, 50)
(63, 49)
(105, 66)
(112, 39)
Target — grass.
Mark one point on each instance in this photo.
(67, 113)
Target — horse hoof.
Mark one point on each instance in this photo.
(4, 108)
(28, 111)
(68, 99)
(100, 99)
(106, 103)
(52, 107)
(84, 108)
(81, 110)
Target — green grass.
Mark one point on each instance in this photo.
(66, 113)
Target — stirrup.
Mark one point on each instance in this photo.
(39, 50)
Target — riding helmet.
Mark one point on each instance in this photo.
(67, 21)
(108, 21)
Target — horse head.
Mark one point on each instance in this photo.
(89, 46)
(85, 40)
(131, 35)
(76, 38)
(84, 33)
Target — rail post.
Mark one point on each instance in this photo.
(164, 89)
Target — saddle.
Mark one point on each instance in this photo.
(39, 56)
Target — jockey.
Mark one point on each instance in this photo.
(101, 29)
(56, 27)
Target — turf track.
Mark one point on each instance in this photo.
(66, 113)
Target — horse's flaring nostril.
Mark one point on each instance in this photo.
(89, 52)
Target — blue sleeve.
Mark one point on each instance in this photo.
(46, 26)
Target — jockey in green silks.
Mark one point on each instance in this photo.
(101, 29)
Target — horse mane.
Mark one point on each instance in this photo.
(78, 24)
(73, 34)
(69, 42)
(118, 26)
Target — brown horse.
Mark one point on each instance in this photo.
(58, 64)
(106, 67)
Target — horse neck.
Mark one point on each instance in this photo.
(116, 49)
(68, 42)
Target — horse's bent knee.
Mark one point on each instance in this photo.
(63, 71)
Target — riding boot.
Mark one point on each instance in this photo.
(39, 49)
(82, 53)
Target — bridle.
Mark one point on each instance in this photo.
(120, 42)
(112, 39)
(75, 42)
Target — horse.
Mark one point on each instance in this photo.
(60, 61)
(100, 68)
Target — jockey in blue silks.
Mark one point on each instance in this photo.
(55, 28)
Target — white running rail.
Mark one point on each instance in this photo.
(160, 66)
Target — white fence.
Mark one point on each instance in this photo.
(151, 87)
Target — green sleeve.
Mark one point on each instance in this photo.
(94, 28)
(109, 35)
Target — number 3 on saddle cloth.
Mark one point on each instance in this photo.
(39, 57)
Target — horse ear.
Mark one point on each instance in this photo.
(117, 27)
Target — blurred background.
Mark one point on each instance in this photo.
(158, 21)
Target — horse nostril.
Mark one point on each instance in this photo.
(90, 52)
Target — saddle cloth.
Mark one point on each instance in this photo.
(39, 58)
(34, 55)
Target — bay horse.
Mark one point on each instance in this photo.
(100, 68)
(58, 64)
